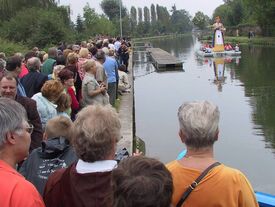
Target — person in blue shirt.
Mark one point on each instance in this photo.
(110, 67)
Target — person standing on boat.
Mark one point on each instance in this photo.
(221, 185)
(218, 40)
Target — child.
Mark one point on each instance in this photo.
(55, 153)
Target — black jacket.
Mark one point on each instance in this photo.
(33, 82)
(54, 154)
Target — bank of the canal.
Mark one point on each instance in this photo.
(263, 41)
(126, 114)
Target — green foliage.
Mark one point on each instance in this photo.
(37, 27)
(112, 9)
(9, 8)
(133, 16)
(260, 12)
(139, 15)
(201, 20)
(153, 13)
(264, 13)
(10, 48)
(181, 22)
(93, 23)
(79, 24)
(146, 14)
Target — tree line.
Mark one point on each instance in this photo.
(44, 23)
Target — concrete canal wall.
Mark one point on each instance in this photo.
(126, 114)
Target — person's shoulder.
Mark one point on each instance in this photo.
(172, 165)
(27, 193)
(25, 100)
(234, 173)
(55, 179)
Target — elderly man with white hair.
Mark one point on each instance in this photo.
(15, 141)
(34, 80)
(199, 180)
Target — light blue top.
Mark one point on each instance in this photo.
(110, 66)
(45, 108)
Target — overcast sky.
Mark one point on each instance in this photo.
(192, 6)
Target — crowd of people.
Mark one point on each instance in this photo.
(59, 133)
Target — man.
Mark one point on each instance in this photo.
(8, 90)
(14, 68)
(14, 147)
(101, 76)
(48, 65)
(199, 131)
(110, 67)
(2, 67)
(34, 80)
(141, 181)
(88, 181)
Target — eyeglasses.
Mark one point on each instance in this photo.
(29, 129)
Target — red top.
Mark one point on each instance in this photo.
(24, 70)
(75, 104)
(15, 191)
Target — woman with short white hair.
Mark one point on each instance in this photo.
(92, 92)
(199, 180)
(87, 182)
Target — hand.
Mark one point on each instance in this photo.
(137, 153)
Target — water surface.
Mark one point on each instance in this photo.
(244, 90)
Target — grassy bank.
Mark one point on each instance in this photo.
(245, 40)
(254, 40)
(170, 36)
(9, 48)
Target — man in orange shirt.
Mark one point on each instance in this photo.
(222, 185)
(15, 141)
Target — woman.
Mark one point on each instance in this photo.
(46, 100)
(222, 185)
(218, 40)
(83, 56)
(67, 79)
(72, 66)
(92, 92)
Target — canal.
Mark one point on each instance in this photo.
(244, 90)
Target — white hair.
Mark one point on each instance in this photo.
(12, 117)
(199, 122)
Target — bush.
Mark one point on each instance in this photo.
(9, 48)
(37, 27)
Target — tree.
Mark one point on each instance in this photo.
(79, 24)
(181, 21)
(133, 15)
(201, 20)
(163, 19)
(94, 23)
(139, 15)
(264, 14)
(48, 27)
(9, 8)
(146, 14)
(112, 9)
(153, 13)
(133, 19)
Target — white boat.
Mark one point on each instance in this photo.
(218, 54)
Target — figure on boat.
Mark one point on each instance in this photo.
(218, 40)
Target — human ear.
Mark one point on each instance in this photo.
(182, 136)
(10, 138)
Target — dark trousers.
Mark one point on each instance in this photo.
(112, 93)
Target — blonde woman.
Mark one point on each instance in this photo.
(92, 91)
